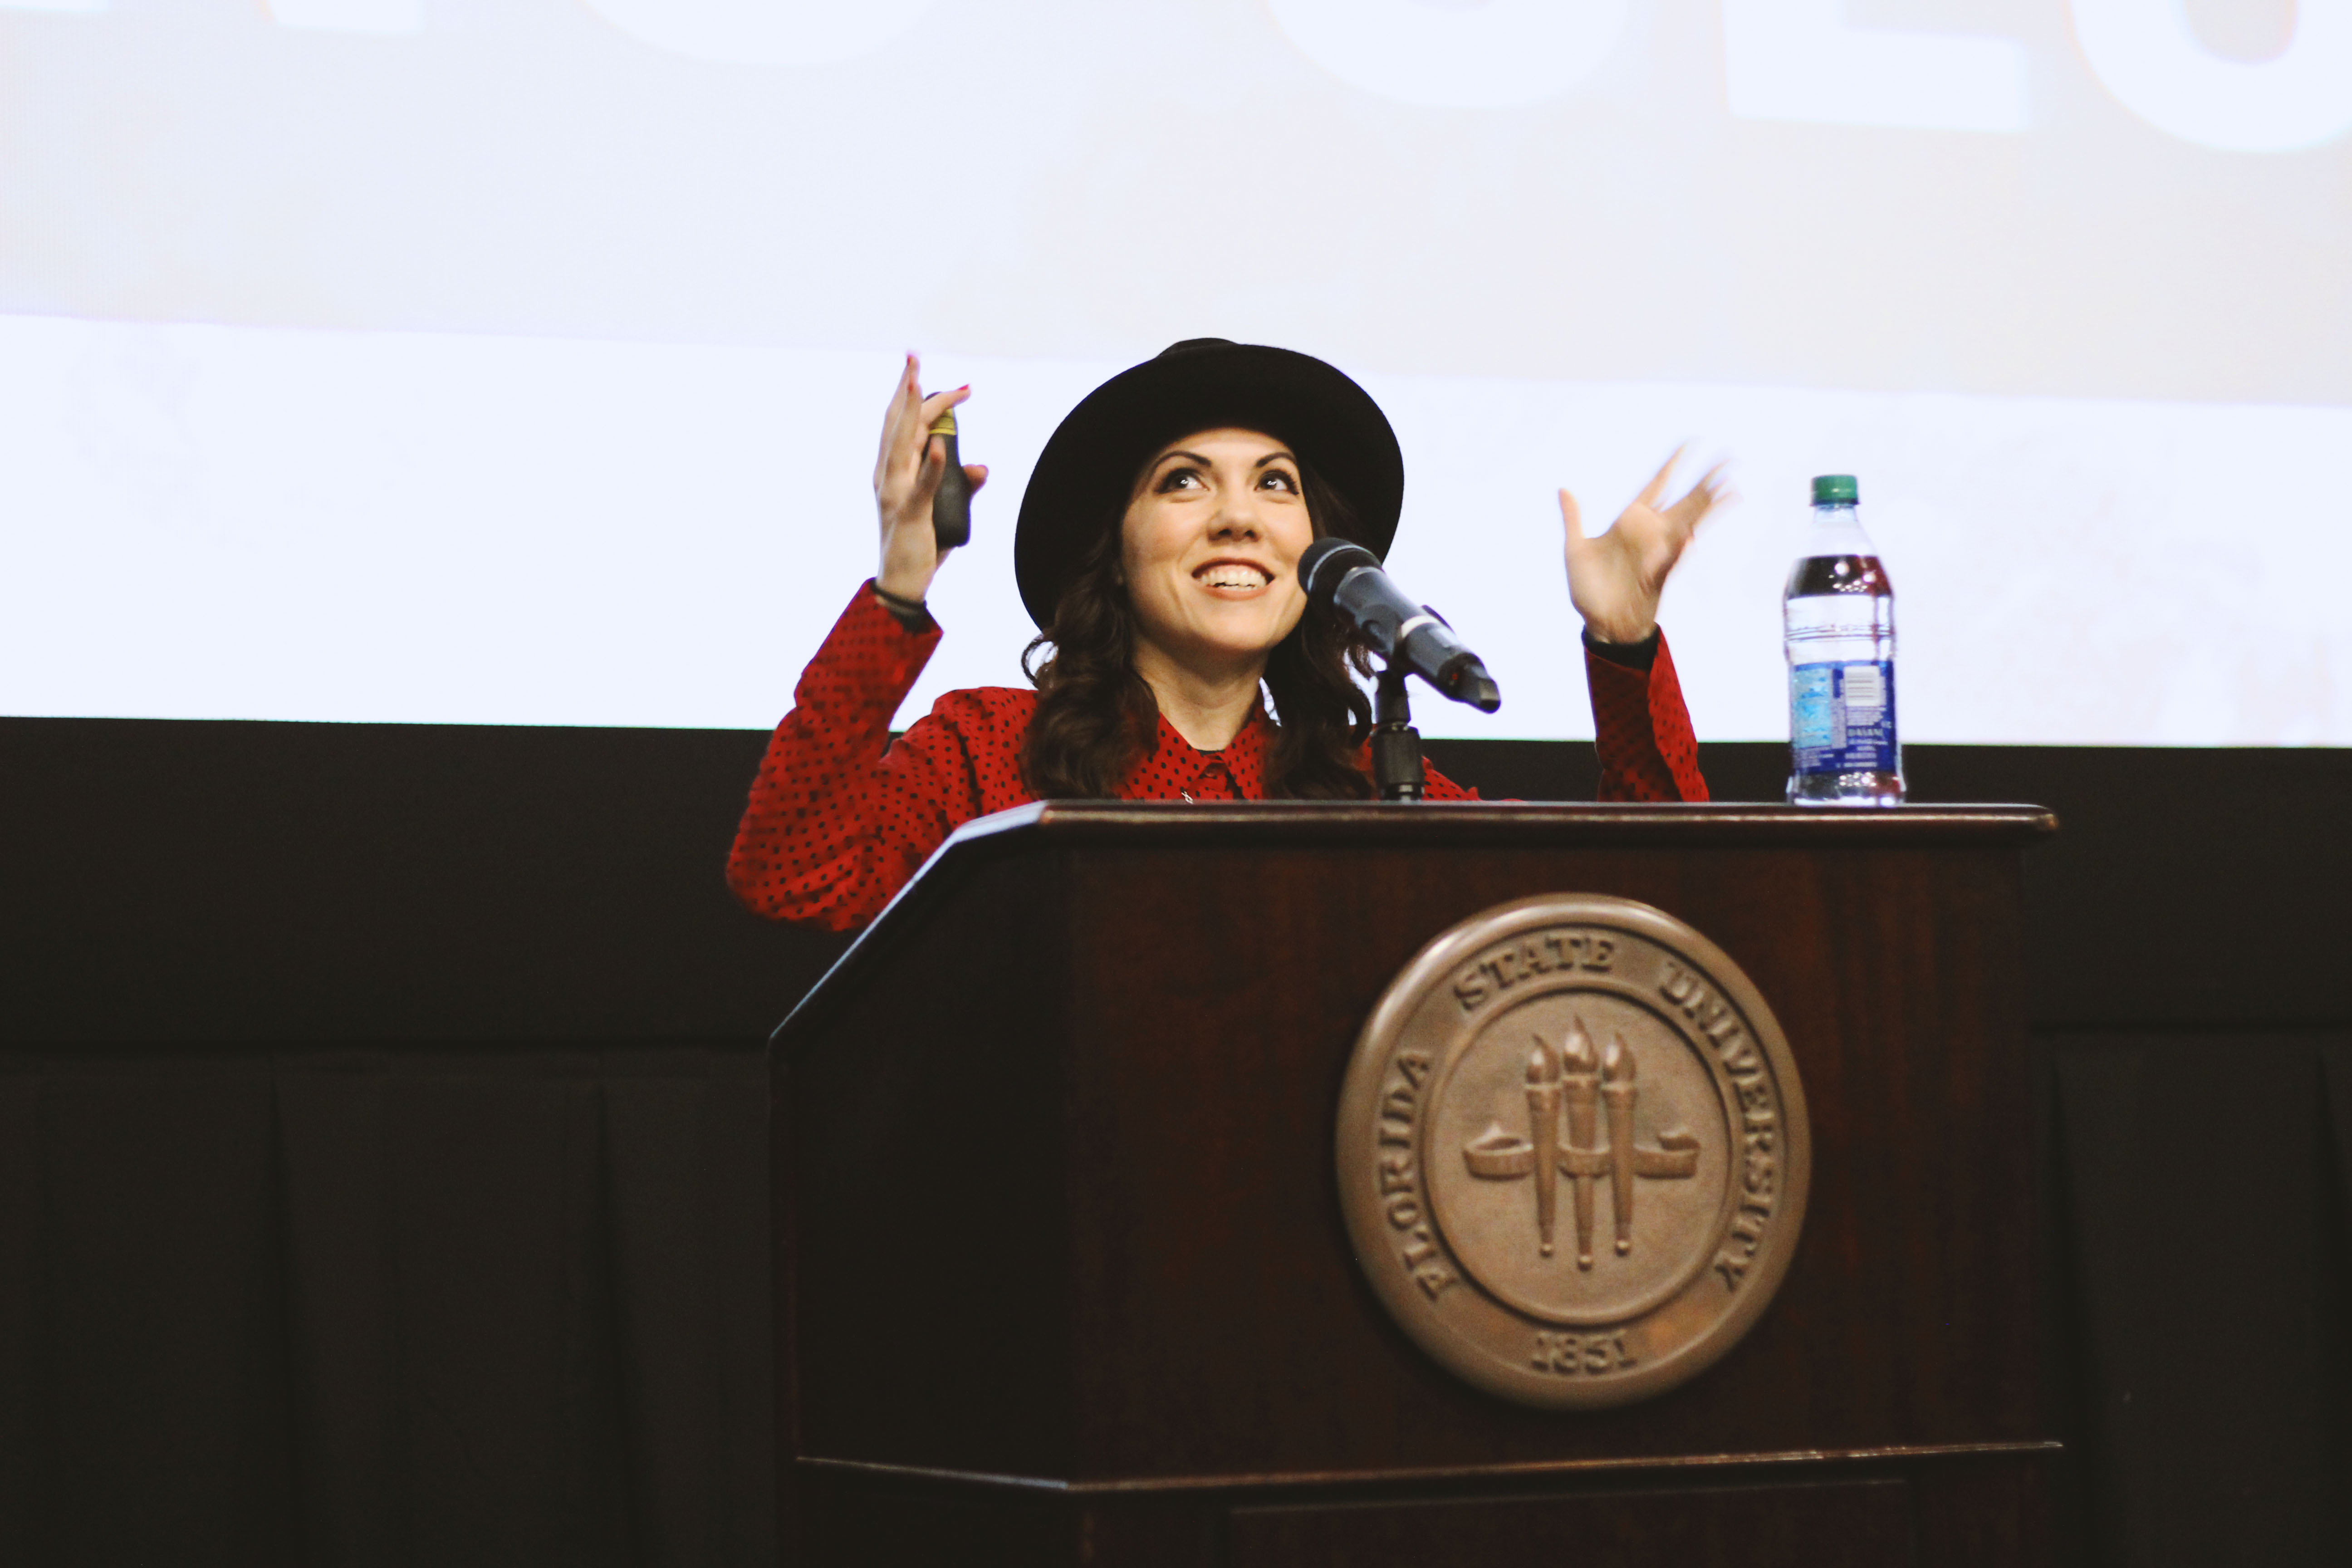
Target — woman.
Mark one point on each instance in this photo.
(1156, 552)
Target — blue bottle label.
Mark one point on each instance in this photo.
(1842, 717)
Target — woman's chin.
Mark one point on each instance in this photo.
(1216, 633)
(1233, 647)
(1219, 643)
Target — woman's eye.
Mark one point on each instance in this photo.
(1180, 480)
(1276, 479)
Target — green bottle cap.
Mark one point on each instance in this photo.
(1829, 490)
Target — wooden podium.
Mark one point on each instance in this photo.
(1063, 1276)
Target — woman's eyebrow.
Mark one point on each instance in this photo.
(1166, 458)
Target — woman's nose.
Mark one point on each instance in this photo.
(1237, 517)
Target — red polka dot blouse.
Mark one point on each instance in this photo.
(841, 816)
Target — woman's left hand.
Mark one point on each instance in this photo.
(1615, 580)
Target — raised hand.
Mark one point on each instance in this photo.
(906, 476)
(1615, 580)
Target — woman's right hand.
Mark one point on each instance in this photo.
(906, 476)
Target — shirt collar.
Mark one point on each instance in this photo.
(1243, 758)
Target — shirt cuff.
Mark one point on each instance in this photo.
(1632, 654)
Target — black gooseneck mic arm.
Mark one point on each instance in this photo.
(1411, 639)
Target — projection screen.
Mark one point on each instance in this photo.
(521, 361)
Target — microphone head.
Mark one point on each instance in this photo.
(1467, 681)
(1322, 563)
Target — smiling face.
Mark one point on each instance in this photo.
(1209, 552)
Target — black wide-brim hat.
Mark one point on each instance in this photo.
(1083, 479)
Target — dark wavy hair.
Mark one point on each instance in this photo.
(1096, 718)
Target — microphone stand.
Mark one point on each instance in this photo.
(1396, 745)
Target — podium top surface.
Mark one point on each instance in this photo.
(1045, 826)
(1537, 821)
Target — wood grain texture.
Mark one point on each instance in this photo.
(1853, 1524)
(1062, 1127)
(1934, 1513)
(930, 1167)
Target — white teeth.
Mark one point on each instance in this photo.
(1234, 577)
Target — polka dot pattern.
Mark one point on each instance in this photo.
(841, 816)
(1643, 730)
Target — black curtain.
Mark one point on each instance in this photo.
(2203, 1186)
(450, 1306)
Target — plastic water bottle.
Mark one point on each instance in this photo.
(1839, 615)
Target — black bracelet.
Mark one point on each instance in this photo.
(911, 614)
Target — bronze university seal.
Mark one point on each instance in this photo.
(1573, 1150)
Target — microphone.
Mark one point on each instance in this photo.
(1346, 577)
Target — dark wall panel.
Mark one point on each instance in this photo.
(234, 881)
(2186, 888)
(239, 881)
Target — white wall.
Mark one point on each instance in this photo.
(518, 360)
